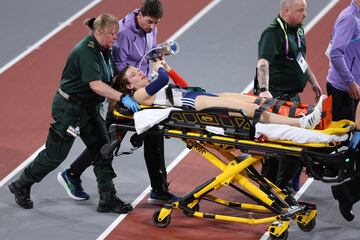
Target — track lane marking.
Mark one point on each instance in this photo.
(173, 37)
(48, 36)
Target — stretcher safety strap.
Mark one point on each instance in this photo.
(277, 106)
(266, 105)
(292, 110)
(310, 109)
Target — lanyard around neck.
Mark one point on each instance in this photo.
(287, 39)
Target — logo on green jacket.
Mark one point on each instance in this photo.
(91, 44)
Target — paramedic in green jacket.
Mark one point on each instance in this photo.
(84, 85)
(283, 71)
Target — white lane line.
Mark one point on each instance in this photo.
(303, 188)
(117, 221)
(194, 19)
(320, 15)
(48, 36)
(21, 166)
(173, 37)
(307, 28)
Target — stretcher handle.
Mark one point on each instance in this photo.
(340, 178)
(346, 167)
(123, 112)
(107, 150)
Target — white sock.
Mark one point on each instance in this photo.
(310, 121)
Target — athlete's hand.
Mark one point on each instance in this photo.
(156, 65)
(166, 66)
(130, 103)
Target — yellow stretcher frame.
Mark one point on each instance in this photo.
(241, 175)
(236, 172)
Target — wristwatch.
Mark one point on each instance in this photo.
(263, 89)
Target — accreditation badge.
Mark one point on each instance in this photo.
(302, 62)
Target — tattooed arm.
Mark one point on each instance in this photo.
(263, 77)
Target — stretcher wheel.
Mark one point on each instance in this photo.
(283, 236)
(307, 227)
(161, 224)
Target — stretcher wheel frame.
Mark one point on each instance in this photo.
(163, 223)
(283, 236)
(306, 220)
(279, 230)
(307, 227)
(193, 209)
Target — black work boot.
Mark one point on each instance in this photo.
(345, 206)
(109, 202)
(22, 194)
(161, 196)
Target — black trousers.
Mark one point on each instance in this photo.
(58, 144)
(153, 154)
(343, 106)
(282, 170)
(349, 190)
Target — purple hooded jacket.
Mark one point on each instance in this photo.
(345, 49)
(132, 44)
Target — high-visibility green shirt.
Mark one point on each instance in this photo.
(285, 74)
(87, 62)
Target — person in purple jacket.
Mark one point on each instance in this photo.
(343, 77)
(343, 82)
(136, 37)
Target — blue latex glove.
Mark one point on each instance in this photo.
(130, 103)
(355, 140)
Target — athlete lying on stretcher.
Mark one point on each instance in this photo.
(134, 82)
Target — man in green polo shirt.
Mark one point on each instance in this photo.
(282, 72)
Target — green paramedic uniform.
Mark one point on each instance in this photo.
(75, 104)
(280, 44)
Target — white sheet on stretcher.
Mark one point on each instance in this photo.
(147, 118)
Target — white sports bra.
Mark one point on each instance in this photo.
(162, 100)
